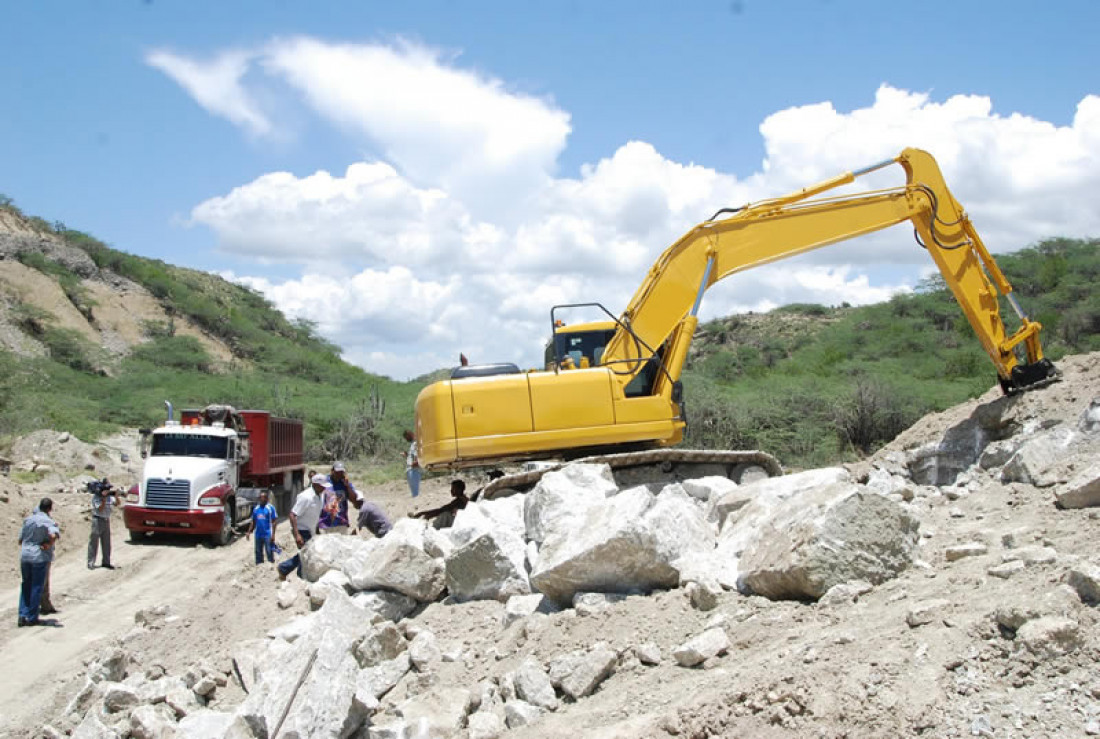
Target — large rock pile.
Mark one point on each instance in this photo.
(790, 563)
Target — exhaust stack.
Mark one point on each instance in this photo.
(169, 407)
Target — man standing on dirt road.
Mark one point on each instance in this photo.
(101, 524)
(36, 540)
(303, 521)
(263, 525)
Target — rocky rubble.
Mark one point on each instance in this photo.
(945, 587)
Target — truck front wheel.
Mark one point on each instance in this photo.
(137, 537)
(225, 533)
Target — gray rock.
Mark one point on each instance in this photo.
(205, 724)
(706, 489)
(287, 594)
(484, 725)
(437, 543)
(152, 722)
(376, 681)
(631, 542)
(423, 651)
(1011, 618)
(399, 563)
(961, 551)
(697, 650)
(801, 547)
(383, 643)
(521, 606)
(845, 593)
(997, 453)
(533, 685)
(92, 728)
(518, 713)
(593, 667)
(1031, 555)
(703, 594)
(1006, 570)
(941, 462)
(587, 604)
(926, 612)
(183, 702)
(648, 653)
(318, 591)
(109, 665)
(324, 553)
(205, 687)
(84, 699)
(386, 605)
(558, 503)
(1050, 636)
(251, 655)
(1085, 579)
(316, 673)
(492, 566)
(438, 713)
(1037, 454)
(1082, 490)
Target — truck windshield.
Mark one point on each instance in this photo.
(190, 445)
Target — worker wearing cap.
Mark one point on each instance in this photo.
(334, 512)
(304, 517)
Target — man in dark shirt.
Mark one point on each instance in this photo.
(445, 515)
(373, 519)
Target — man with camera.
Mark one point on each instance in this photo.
(102, 494)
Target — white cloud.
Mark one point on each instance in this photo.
(216, 85)
(438, 123)
(460, 236)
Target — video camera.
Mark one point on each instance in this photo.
(100, 487)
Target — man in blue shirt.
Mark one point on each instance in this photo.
(263, 525)
(36, 541)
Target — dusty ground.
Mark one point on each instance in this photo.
(216, 597)
(854, 669)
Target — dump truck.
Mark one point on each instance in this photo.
(611, 388)
(203, 473)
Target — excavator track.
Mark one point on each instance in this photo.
(654, 465)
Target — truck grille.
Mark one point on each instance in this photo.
(174, 495)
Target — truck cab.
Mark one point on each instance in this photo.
(202, 474)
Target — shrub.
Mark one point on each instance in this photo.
(873, 414)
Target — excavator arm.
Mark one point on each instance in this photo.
(629, 397)
(663, 310)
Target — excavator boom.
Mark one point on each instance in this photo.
(628, 397)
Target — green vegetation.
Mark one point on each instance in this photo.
(278, 364)
(814, 385)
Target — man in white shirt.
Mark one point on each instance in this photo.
(303, 521)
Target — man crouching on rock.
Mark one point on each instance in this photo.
(303, 521)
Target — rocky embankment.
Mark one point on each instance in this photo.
(945, 587)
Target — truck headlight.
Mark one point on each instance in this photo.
(132, 497)
(210, 501)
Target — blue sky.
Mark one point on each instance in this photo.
(509, 156)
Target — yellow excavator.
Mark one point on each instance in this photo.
(611, 389)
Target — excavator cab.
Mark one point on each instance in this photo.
(579, 345)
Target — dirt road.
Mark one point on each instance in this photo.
(216, 597)
(97, 606)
